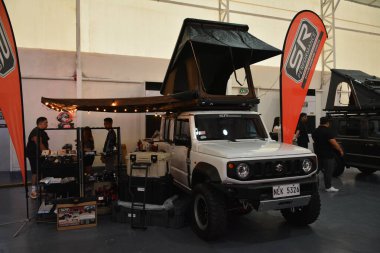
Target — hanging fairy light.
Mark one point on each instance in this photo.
(104, 110)
(97, 108)
(46, 103)
(135, 110)
(125, 109)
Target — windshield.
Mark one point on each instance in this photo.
(229, 127)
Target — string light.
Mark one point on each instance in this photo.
(104, 110)
(113, 103)
(125, 109)
(147, 110)
(47, 103)
(135, 110)
(97, 108)
(114, 110)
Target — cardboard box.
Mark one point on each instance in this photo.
(74, 216)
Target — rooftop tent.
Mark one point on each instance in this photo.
(206, 54)
(365, 90)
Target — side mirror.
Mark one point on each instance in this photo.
(182, 140)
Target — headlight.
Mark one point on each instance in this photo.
(307, 165)
(242, 171)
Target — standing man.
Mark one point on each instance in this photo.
(325, 146)
(301, 132)
(109, 145)
(33, 153)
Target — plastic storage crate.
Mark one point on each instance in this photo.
(157, 169)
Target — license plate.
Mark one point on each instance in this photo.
(286, 190)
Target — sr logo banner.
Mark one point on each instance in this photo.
(11, 102)
(303, 52)
(7, 61)
(302, 46)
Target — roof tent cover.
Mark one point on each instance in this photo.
(216, 49)
(365, 90)
(206, 54)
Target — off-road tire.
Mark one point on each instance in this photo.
(209, 217)
(367, 171)
(304, 215)
(339, 166)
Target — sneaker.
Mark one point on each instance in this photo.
(332, 189)
(33, 195)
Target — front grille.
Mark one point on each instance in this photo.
(272, 169)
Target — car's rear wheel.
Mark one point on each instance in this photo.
(304, 215)
(367, 171)
(209, 212)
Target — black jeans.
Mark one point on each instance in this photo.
(327, 166)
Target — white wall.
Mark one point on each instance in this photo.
(132, 41)
(149, 28)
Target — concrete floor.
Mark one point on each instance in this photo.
(349, 222)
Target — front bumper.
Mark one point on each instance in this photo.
(261, 195)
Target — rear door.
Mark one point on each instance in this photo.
(180, 157)
(372, 146)
(351, 136)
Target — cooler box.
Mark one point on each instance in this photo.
(158, 169)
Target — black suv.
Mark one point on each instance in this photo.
(359, 135)
(357, 123)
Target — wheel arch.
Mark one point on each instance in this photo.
(205, 172)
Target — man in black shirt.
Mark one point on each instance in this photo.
(301, 132)
(325, 146)
(109, 145)
(32, 153)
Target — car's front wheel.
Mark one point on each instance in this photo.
(304, 215)
(209, 212)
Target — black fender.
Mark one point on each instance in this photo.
(205, 172)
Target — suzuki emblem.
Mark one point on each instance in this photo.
(279, 167)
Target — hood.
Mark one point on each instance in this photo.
(245, 149)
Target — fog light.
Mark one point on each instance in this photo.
(307, 165)
(243, 171)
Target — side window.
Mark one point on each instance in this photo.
(374, 128)
(182, 132)
(349, 127)
(166, 129)
(342, 127)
